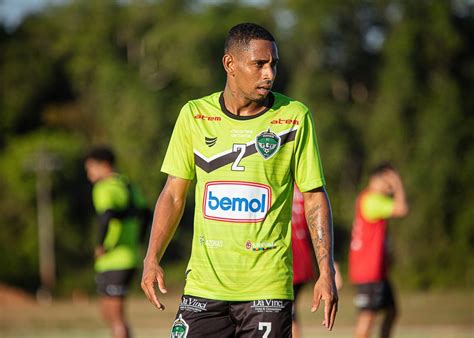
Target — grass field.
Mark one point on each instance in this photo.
(423, 315)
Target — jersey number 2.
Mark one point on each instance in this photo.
(238, 147)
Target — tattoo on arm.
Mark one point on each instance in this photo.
(318, 229)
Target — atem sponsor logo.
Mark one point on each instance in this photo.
(285, 121)
(207, 118)
(233, 201)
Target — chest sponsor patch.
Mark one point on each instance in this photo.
(233, 201)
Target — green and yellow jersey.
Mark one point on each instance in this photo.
(121, 242)
(245, 167)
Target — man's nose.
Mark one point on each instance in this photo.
(269, 72)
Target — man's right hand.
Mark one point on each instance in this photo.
(153, 274)
(400, 208)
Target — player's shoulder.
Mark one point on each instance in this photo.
(113, 182)
(200, 107)
(211, 99)
(371, 198)
(284, 102)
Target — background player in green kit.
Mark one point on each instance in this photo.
(246, 146)
(122, 216)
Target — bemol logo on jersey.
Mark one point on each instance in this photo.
(232, 201)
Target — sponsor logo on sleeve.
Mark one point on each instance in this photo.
(231, 201)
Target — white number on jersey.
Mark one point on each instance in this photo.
(267, 326)
(235, 148)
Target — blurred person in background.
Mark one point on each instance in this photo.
(304, 271)
(122, 223)
(369, 254)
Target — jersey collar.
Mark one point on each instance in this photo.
(271, 100)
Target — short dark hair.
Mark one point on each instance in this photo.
(101, 154)
(241, 34)
(381, 168)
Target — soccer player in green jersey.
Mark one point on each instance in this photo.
(122, 216)
(246, 146)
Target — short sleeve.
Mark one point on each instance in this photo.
(377, 206)
(307, 167)
(179, 158)
(107, 195)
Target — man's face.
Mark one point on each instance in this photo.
(255, 69)
(95, 170)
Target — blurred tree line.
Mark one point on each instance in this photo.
(386, 80)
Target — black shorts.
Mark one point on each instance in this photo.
(114, 283)
(206, 318)
(374, 296)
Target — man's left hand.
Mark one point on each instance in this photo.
(325, 289)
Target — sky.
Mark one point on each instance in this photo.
(13, 11)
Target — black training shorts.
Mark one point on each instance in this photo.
(114, 283)
(201, 317)
(374, 296)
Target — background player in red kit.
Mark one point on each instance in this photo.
(383, 198)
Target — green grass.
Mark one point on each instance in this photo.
(423, 315)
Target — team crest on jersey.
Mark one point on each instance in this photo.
(267, 143)
(180, 328)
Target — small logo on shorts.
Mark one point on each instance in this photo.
(192, 304)
(180, 328)
(268, 305)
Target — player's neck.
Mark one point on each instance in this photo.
(242, 106)
(106, 174)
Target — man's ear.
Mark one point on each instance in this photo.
(229, 64)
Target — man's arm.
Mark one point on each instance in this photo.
(319, 219)
(400, 205)
(168, 212)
